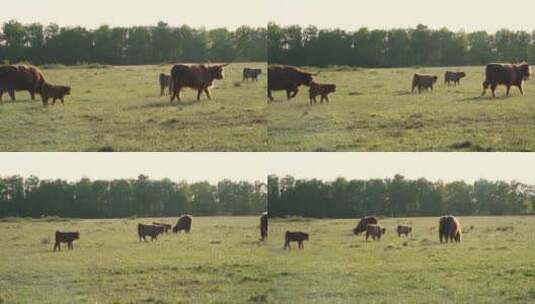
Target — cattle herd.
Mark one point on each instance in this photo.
(199, 77)
(449, 230)
(289, 79)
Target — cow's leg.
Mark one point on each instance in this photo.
(295, 91)
(327, 98)
(62, 100)
(520, 88)
(270, 96)
(493, 89)
(208, 93)
(56, 245)
(32, 94)
(288, 95)
(508, 90)
(1, 94)
(54, 101)
(162, 88)
(11, 92)
(485, 87)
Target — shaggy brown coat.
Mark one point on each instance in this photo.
(375, 231)
(363, 223)
(423, 82)
(55, 92)
(449, 229)
(505, 74)
(320, 89)
(406, 230)
(298, 237)
(65, 237)
(149, 230)
(183, 223)
(198, 76)
(286, 78)
(20, 78)
(454, 77)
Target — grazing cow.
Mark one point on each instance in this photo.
(363, 223)
(166, 227)
(199, 77)
(264, 226)
(251, 74)
(375, 231)
(423, 82)
(20, 78)
(449, 229)
(286, 78)
(165, 80)
(406, 230)
(55, 92)
(505, 74)
(183, 223)
(149, 230)
(298, 237)
(65, 237)
(454, 77)
(320, 89)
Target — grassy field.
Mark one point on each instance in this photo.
(121, 108)
(494, 264)
(221, 260)
(373, 110)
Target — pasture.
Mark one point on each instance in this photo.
(494, 264)
(374, 110)
(119, 108)
(221, 260)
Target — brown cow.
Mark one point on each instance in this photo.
(402, 229)
(149, 230)
(183, 223)
(320, 89)
(363, 223)
(286, 78)
(375, 231)
(264, 226)
(65, 237)
(252, 74)
(449, 229)
(505, 74)
(55, 92)
(298, 237)
(166, 227)
(20, 78)
(454, 77)
(423, 82)
(199, 77)
(165, 80)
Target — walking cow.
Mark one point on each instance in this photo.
(20, 78)
(65, 237)
(505, 74)
(199, 77)
(449, 229)
(286, 78)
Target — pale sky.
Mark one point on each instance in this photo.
(191, 167)
(432, 166)
(93, 13)
(470, 15)
(214, 167)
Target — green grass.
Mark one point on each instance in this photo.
(221, 260)
(121, 108)
(373, 110)
(490, 266)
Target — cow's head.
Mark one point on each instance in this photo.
(525, 70)
(76, 235)
(216, 71)
(383, 230)
(305, 78)
(462, 74)
(305, 236)
(435, 78)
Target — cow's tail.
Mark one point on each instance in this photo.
(139, 231)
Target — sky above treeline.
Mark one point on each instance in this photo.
(91, 14)
(469, 15)
(190, 167)
(432, 166)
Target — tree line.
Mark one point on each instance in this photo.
(396, 197)
(420, 46)
(162, 43)
(142, 197)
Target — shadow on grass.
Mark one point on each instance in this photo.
(165, 104)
